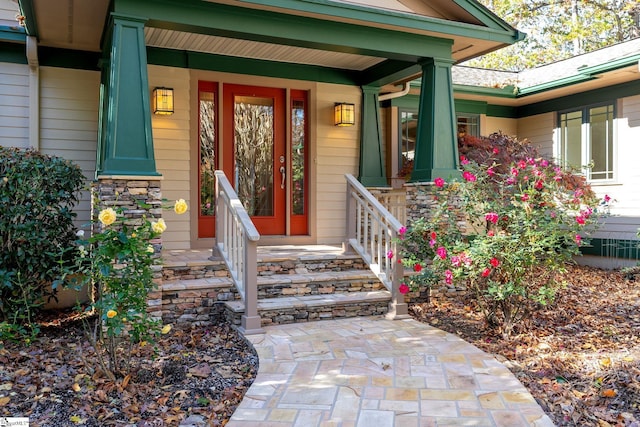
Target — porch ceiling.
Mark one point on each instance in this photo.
(170, 39)
(79, 24)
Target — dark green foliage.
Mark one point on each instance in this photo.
(37, 194)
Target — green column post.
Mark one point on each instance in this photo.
(371, 169)
(437, 144)
(126, 143)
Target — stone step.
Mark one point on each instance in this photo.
(317, 283)
(180, 269)
(313, 307)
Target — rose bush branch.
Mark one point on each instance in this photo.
(118, 263)
(522, 223)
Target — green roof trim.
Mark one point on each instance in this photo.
(67, 58)
(610, 66)
(496, 29)
(13, 53)
(603, 94)
(270, 27)
(12, 34)
(255, 67)
(29, 13)
(505, 92)
(555, 84)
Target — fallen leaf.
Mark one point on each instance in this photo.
(6, 386)
(609, 393)
(4, 400)
(76, 387)
(606, 362)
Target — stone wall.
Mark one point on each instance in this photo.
(139, 198)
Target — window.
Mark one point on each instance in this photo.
(468, 124)
(585, 140)
(407, 142)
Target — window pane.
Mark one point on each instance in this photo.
(468, 124)
(408, 128)
(571, 139)
(601, 141)
(297, 155)
(207, 152)
(253, 135)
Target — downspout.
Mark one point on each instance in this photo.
(393, 95)
(34, 92)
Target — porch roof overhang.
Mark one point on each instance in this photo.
(363, 44)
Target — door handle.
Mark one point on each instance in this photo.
(284, 176)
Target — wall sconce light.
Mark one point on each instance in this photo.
(344, 114)
(163, 100)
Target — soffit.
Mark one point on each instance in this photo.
(157, 37)
(71, 24)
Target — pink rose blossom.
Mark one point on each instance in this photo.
(492, 217)
(438, 182)
(531, 161)
(441, 252)
(491, 233)
(403, 288)
(496, 150)
(511, 180)
(432, 242)
(402, 230)
(607, 198)
(580, 219)
(464, 160)
(466, 259)
(522, 164)
(448, 277)
(417, 268)
(578, 239)
(524, 197)
(514, 172)
(544, 163)
(469, 176)
(389, 254)
(539, 185)
(491, 172)
(494, 262)
(486, 272)
(456, 261)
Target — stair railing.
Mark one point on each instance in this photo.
(237, 243)
(373, 233)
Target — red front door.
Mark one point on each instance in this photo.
(254, 153)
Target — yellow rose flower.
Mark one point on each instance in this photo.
(111, 314)
(107, 216)
(159, 226)
(166, 329)
(150, 249)
(180, 206)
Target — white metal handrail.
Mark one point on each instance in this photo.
(373, 233)
(237, 243)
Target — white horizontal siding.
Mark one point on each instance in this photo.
(8, 11)
(14, 104)
(172, 152)
(69, 101)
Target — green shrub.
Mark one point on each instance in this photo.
(524, 221)
(37, 194)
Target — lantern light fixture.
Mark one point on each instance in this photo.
(163, 100)
(344, 114)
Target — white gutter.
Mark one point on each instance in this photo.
(393, 95)
(34, 92)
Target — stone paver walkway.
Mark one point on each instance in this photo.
(374, 372)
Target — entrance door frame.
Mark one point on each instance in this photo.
(308, 237)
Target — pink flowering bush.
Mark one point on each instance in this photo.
(523, 223)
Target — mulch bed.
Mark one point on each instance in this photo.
(197, 377)
(580, 357)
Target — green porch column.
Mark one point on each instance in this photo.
(372, 171)
(125, 143)
(437, 144)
